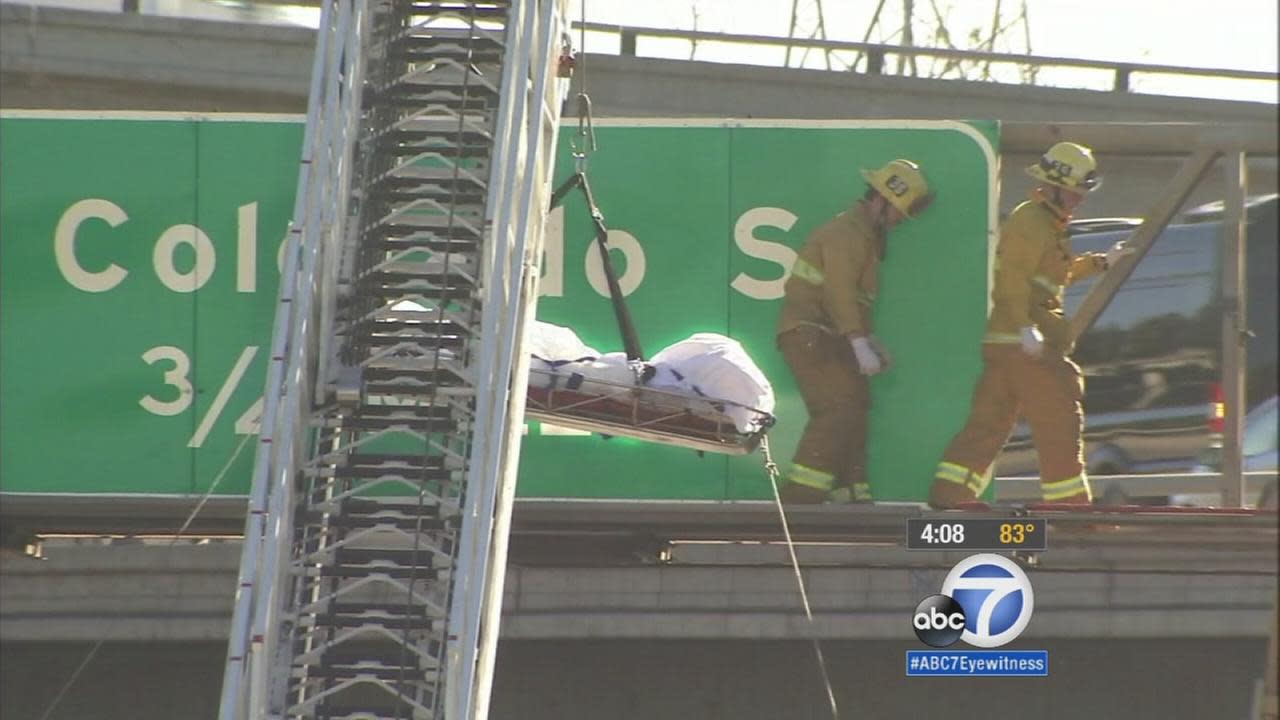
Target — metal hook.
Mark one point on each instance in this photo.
(584, 143)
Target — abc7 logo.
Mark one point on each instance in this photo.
(986, 601)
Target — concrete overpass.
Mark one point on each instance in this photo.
(633, 612)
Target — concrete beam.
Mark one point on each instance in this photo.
(153, 50)
(184, 592)
(649, 87)
(1134, 139)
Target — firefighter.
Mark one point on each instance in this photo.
(825, 334)
(1026, 368)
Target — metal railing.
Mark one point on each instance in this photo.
(295, 347)
(876, 54)
(522, 162)
(871, 56)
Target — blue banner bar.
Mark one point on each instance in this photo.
(977, 663)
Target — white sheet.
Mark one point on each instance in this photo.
(706, 365)
(717, 367)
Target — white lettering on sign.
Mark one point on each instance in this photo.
(177, 377)
(200, 272)
(631, 250)
(746, 240)
(162, 256)
(247, 248)
(744, 236)
(64, 245)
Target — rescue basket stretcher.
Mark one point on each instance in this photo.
(679, 397)
(657, 415)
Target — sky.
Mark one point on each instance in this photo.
(1239, 34)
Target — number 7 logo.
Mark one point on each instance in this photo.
(996, 596)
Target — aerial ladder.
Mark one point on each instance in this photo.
(372, 571)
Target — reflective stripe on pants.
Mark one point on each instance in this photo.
(977, 481)
(837, 398)
(1061, 489)
(1047, 391)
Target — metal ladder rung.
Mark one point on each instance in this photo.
(388, 292)
(388, 474)
(362, 571)
(431, 216)
(436, 507)
(418, 390)
(414, 99)
(384, 654)
(438, 265)
(427, 30)
(323, 706)
(437, 236)
(466, 198)
(385, 672)
(364, 509)
(460, 10)
(416, 422)
(383, 329)
(437, 89)
(423, 369)
(442, 379)
(448, 125)
(330, 711)
(387, 462)
(430, 166)
(418, 48)
(454, 142)
(347, 522)
(430, 285)
(405, 313)
(348, 621)
(444, 73)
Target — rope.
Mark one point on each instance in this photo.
(66, 687)
(584, 142)
(774, 474)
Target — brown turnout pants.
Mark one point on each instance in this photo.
(832, 450)
(1047, 391)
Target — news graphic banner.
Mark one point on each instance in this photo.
(977, 663)
(986, 601)
(139, 270)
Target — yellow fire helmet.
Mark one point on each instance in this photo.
(902, 184)
(1068, 166)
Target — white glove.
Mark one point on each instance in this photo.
(1032, 341)
(1118, 251)
(886, 359)
(868, 360)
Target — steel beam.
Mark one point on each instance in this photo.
(1130, 139)
(1153, 223)
(1234, 328)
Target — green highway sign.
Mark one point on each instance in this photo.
(139, 267)
(138, 287)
